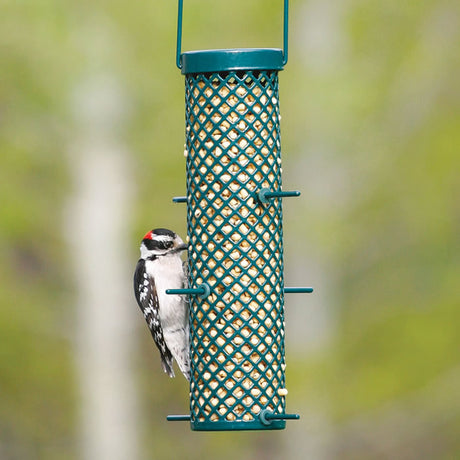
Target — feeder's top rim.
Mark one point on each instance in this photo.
(232, 59)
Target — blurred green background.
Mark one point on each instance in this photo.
(91, 142)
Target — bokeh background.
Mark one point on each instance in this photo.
(91, 151)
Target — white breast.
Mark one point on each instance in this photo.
(168, 274)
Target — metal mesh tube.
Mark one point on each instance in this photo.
(236, 247)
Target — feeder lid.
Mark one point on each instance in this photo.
(232, 59)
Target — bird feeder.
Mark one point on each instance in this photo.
(234, 227)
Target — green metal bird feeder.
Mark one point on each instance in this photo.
(234, 226)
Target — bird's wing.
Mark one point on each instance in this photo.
(147, 299)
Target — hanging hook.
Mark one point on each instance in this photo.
(285, 32)
(179, 35)
(180, 9)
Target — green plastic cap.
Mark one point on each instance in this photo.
(232, 59)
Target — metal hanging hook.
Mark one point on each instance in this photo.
(180, 10)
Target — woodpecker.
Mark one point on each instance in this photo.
(158, 269)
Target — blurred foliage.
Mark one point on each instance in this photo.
(371, 134)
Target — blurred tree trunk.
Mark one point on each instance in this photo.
(98, 232)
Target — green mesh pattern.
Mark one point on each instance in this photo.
(236, 247)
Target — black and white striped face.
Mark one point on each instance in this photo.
(160, 242)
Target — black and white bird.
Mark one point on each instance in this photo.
(158, 269)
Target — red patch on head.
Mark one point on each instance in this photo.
(148, 236)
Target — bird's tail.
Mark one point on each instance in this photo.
(178, 344)
(167, 364)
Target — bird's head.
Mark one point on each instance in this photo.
(161, 242)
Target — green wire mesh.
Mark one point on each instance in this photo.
(236, 248)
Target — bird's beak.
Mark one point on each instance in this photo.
(181, 247)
